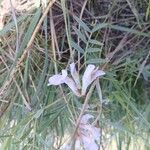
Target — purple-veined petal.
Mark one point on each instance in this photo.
(56, 80)
(86, 79)
(72, 86)
(75, 75)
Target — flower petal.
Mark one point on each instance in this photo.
(89, 143)
(94, 132)
(78, 144)
(75, 75)
(72, 86)
(56, 80)
(88, 134)
(65, 147)
(97, 73)
(87, 78)
(64, 73)
(85, 118)
(91, 146)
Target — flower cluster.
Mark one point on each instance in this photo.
(90, 74)
(87, 135)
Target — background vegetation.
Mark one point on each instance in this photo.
(35, 44)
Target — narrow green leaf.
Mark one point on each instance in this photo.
(30, 30)
(80, 35)
(26, 72)
(120, 28)
(96, 61)
(99, 26)
(125, 29)
(67, 24)
(38, 113)
(92, 50)
(82, 24)
(146, 72)
(77, 47)
(7, 28)
(7, 144)
(26, 133)
(95, 42)
(134, 10)
(148, 11)
(39, 89)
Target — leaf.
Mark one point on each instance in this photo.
(77, 47)
(26, 72)
(38, 113)
(67, 24)
(30, 30)
(82, 24)
(92, 50)
(99, 26)
(134, 10)
(80, 35)
(10, 25)
(148, 11)
(39, 89)
(7, 143)
(121, 28)
(95, 42)
(96, 61)
(26, 134)
(146, 72)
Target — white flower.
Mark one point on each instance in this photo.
(59, 79)
(90, 74)
(87, 134)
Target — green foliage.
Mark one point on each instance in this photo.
(123, 116)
